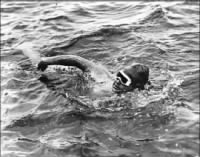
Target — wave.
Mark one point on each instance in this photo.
(81, 11)
(169, 17)
(157, 16)
(57, 18)
(104, 31)
(189, 2)
(11, 9)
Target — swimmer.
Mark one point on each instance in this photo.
(132, 77)
(127, 79)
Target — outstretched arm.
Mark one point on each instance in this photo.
(27, 49)
(66, 60)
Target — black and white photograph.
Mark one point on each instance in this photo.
(100, 78)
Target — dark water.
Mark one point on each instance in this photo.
(38, 121)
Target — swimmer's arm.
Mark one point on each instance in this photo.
(65, 60)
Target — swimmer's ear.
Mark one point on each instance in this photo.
(42, 65)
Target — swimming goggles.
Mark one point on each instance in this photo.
(123, 78)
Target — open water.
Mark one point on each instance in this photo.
(38, 121)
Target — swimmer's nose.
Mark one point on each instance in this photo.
(117, 81)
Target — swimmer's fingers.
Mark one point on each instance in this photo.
(42, 65)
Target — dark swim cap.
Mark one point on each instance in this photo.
(139, 75)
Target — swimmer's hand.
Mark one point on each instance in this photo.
(42, 65)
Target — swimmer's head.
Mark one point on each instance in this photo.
(130, 78)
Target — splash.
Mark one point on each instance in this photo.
(27, 49)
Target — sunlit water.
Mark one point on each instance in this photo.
(38, 120)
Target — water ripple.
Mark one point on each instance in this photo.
(40, 119)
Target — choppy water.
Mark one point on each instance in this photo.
(37, 121)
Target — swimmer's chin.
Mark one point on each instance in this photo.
(119, 88)
(115, 89)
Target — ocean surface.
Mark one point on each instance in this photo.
(38, 120)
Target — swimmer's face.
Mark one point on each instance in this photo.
(130, 78)
(122, 83)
